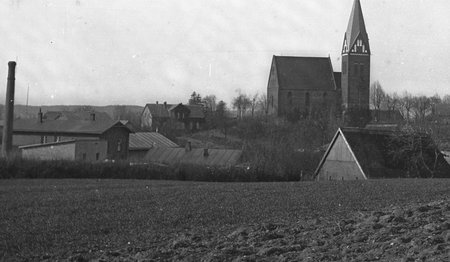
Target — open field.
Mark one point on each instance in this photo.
(77, 219)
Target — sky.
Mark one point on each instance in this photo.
(104, 52)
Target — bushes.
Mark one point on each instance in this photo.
(20, 168)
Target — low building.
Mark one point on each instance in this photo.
(79, 150)
(385, 116)
(142, 142)
(43, 131)
(181, 117)
(194, 156)
(356, 153)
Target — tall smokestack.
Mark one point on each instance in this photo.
(9, 111)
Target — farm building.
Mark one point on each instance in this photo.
(182, 117)
(42, 131)
(142, 142)
(80, 150)
(194, 156)
(356, 153)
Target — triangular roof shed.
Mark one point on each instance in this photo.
(356, 153)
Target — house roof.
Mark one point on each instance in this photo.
(159, 110)
(147, 140)
(86, 127)
(163, 111)
(71, 115)
(308, 73)
(197, 111)
(173, 156)
(374, 152)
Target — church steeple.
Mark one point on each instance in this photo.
(355, 80)
(355, 38)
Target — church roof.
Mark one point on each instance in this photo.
(356, 25)
(308, 73)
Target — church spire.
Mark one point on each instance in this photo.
(356, 39)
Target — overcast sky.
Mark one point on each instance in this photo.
(104, 52)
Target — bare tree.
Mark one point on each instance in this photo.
(262, 104)
(210, 101)
(377, 95)
(446, 99)
(405, 105)
(241, 103)
(254, 103)
(421, 106)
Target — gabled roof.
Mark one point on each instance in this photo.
(373, 151)
(174, 156)
(86, 127)
(148, 140)
(70, 115)
(159, 110)
(305, 73)
(197, 111)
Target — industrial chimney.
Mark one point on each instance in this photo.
(9, 111)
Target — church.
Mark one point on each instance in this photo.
(300, 87)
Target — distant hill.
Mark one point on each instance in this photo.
(114, 111)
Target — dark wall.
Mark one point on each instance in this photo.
(355, 81)
(118, 139)
(306, 101)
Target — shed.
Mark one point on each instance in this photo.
(81, 150)
(195, 156)
(357, 153)
(142, 142)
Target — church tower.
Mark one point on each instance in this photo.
(355, 81)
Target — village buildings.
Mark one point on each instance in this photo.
(178, 116)
(42, 131)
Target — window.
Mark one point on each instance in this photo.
(289, 97)
(324, 97)
(84, 156)
(119, 146)
(97, 156)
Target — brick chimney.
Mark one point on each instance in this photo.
(40, 116)
(9, 111)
